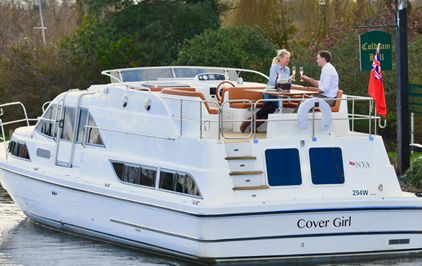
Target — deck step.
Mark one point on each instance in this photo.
(240, 158)
(252, 188)
(246, 173)
(238, 149)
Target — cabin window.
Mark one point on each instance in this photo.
(18, 149)
(178, 182)
(83, 117)
(88, 128)
(326, 166)
(68, 124)
(93, 135)
(48, 123)
(283, 167)
(135, 174)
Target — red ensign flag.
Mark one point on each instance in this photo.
(376, 87)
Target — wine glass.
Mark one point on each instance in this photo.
(301, 73)
(294, 73)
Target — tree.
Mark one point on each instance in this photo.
(30, 71)
(33, 74)
(413, 175)
(18, 19)
(276, 17)
(229, 47)
(131, 33)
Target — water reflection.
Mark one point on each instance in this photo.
(23, 242)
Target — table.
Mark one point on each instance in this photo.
(293, 93)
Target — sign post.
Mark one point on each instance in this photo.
(403, 123)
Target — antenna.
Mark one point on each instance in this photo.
(42, 28)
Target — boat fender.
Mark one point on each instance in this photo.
(306, 106)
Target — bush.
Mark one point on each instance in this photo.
(413, 176)
(33, 74)
(239, 47)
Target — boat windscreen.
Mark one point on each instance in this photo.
(192, 72)
(146, 74)
(165, 85)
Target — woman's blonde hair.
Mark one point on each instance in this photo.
(280, 53)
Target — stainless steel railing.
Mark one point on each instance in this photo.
(201, 106)
(3, 124)
(352, 116)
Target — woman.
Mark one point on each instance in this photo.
(279, 70)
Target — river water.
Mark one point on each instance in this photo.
(23, 242)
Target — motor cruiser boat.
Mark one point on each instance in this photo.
(156, 160)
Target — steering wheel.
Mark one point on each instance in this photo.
(220, 87)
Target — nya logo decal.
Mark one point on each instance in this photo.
(360, 164)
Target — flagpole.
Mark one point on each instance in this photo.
(385, 118)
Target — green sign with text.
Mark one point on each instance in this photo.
(415, 99)
(368, 43)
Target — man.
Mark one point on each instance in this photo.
(328, 81)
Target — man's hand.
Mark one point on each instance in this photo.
(311, 81)
(305, 78)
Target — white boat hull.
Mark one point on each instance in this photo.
(277, 233)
